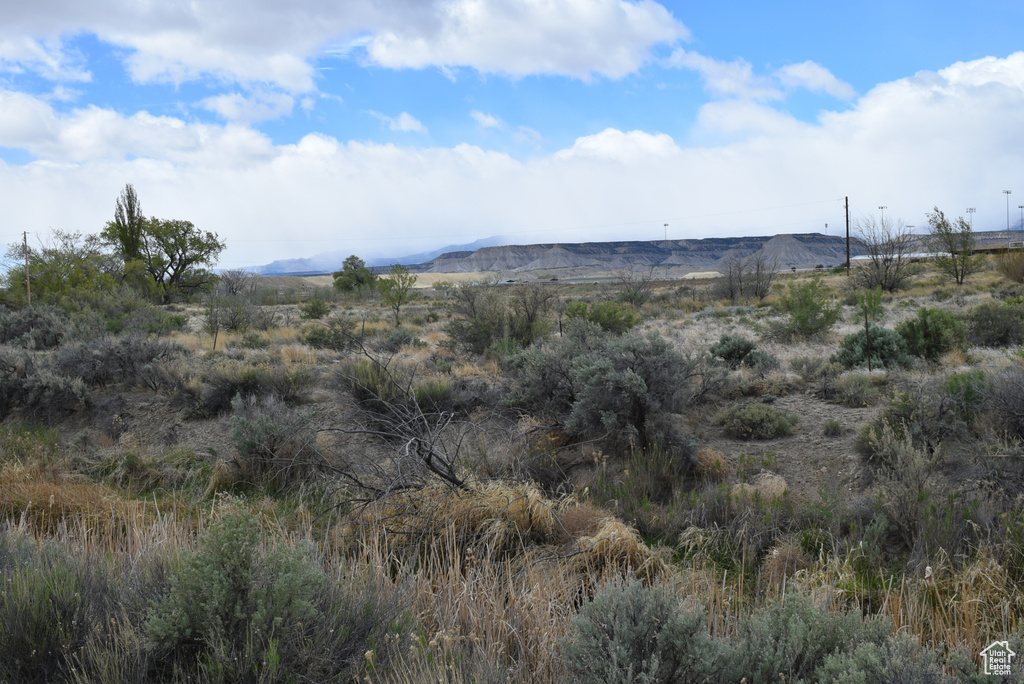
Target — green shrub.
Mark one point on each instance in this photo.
(112, 359)
(600, 384)
(809, 368)
(993, 324)
(900, 659)
(610, 316)
(832, 428)
(933, 333)
(967, 392)
(237, 606)
(484, 314)
(855, 390)
(221, 385)
(732, 349)
(790, 640)
(314, 309)
(49, 604)
(761, 362)
(811, 308)
(36, 327)
(757, 421)
(888, 350)
(339, 334)
(275, 443)
(631, 633)
(252, 340)
(400, 337)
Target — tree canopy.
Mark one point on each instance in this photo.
(354, 276)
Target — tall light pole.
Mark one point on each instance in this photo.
(1007, 193)
(970, 216)
(666, 232)
(1021, 224)
(883, 214)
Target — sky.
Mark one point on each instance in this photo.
(388, 127)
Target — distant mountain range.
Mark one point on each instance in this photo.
(806, 250)
(680, 256)
(328, 262)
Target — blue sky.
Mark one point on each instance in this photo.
(384, 127)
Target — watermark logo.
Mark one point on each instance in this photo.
(997, 657)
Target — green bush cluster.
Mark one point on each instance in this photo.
(887, 349)
(811, 310)
(996, 324)
(932, 333)
(220, 385)
(314, 309)
(633, 633)
(609, 316)
(757, 421)
(732, 349)
(601, 384)
(512, 316)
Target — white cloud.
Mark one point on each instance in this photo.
(258, 106)
(815, 78)
(46, 57)
(266, 41)
(737, 78)
(486, 120)
(579, 38)
(322, 194)
(734, 78)
(612, 144)
(403, 123)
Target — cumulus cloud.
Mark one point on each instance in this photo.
(737, 78)
(266, 41)
(403, 123)
(259, 106)
(45, 57)
(268, 201)
(579, 38)
(486, 120)
(814, 77)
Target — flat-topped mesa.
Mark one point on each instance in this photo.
(800, 251)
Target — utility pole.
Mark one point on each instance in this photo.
(28, 284)
(847, 236)
(1007, 193)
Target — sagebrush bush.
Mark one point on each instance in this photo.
(275, 443)
(49, 605)
(932, 333)
(855, 390)
(112, 359)
(757, 421)
(610, 316)
(732, 349)
(598, 383)
(811, 308)
(789, 641)
(314, 309)
(900, 659)
(222, 384)
(1011, 265)
(1006, 395)
(247, 609)
(888, 350)
(633, 633)
(995, 324)
(339, 334)
(484, 314)
(809, 368)
(35, 327)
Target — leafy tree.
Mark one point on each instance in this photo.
(128, 227)
(396, 289)
(354, 276)
(953, 241)
(889, 246)
(68, 263)
(174, 252)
